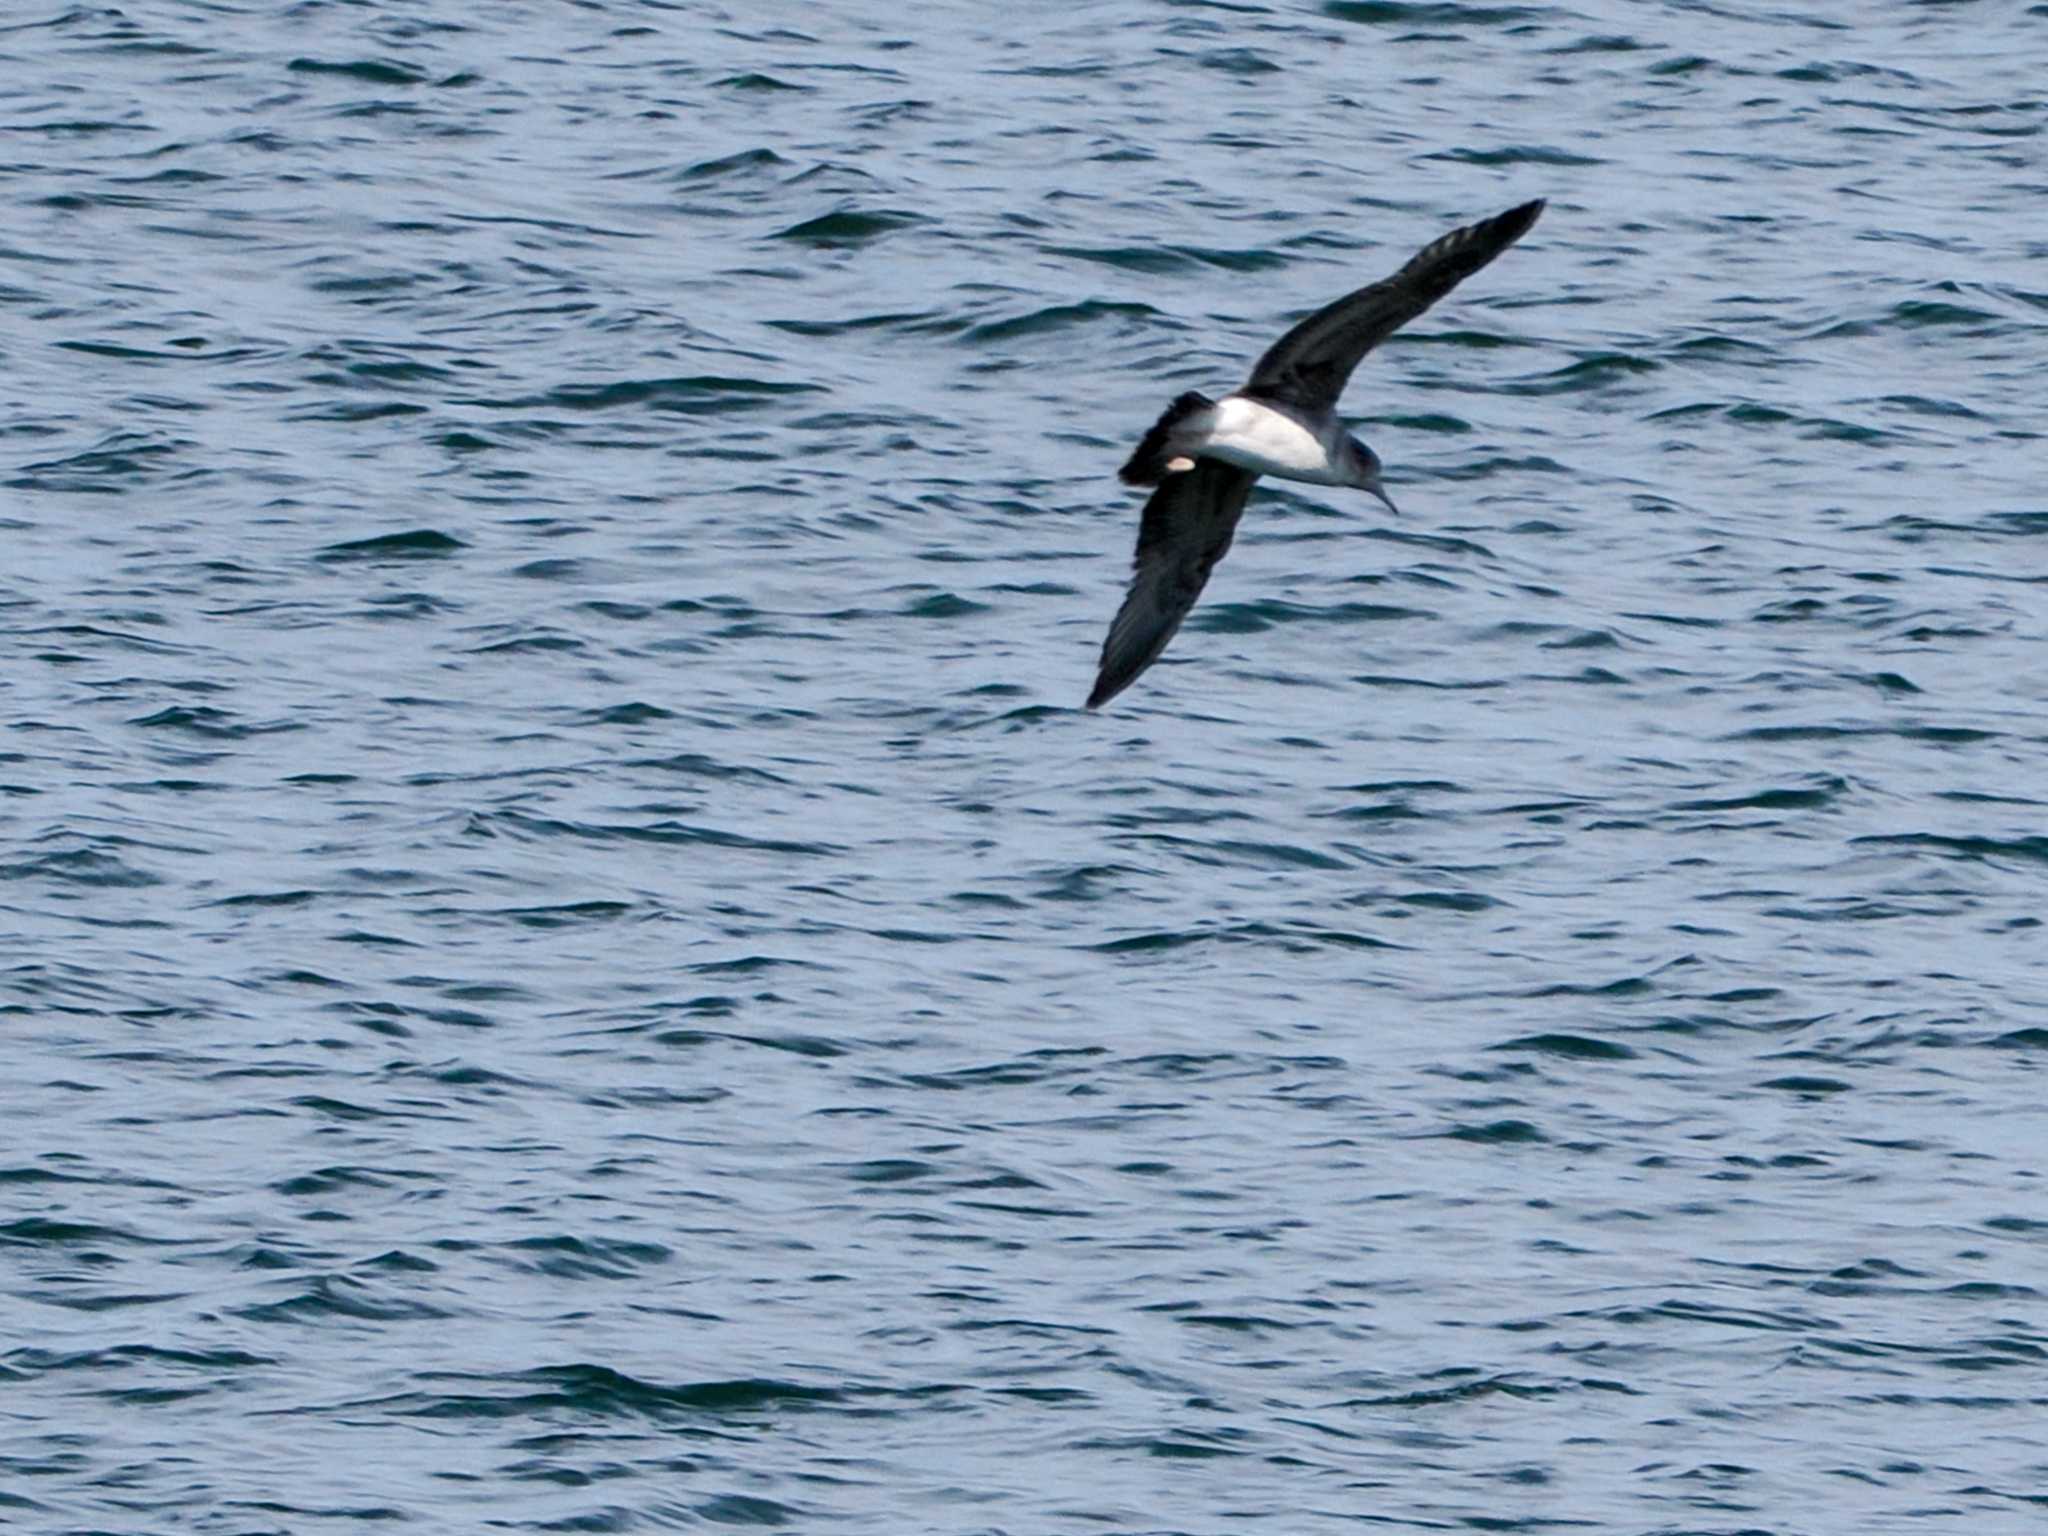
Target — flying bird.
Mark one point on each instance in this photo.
(1203, 454)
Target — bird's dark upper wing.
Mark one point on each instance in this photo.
(1187, 526)
(1309, 366)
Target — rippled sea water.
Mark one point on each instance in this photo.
(570, 961)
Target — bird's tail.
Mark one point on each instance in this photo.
(1147, 466)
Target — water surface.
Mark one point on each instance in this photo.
(571, 960)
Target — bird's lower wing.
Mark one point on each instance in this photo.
(1311, 363)
(1187, 526)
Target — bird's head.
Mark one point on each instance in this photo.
(1364, 467)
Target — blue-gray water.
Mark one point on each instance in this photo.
(569, 961)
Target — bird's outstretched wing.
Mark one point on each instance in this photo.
(1309, 366)
(1187, 526)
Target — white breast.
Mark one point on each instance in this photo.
(1255, 436)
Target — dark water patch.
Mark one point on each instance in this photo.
(701, 765)
(635, 712)
(1392, 810)
(122, 1357)
(1037, 1067)
(1914, 315)
(1165, 260)
(1585, 640)
(1922, 405)
(1721, 1316)
(1434, 685)
(849, 227)
(1256, 855)
(1844, 910)
(1448, 901)
(1254, 617)
(745, 161)
(1053, 318)
(1624, 986)
(1498, 1133)
(1493, 465)
(45, 1232)
(530, 644)
(2026, 849)
(1807, 1086)
(370, 71)
(598, 1392)
(1593, 371)
(1517, 154)
(1424, 13)
(1462, 337)
(746, 1509)
(414, 544)
(2032, 1038)
(1180, 1445)
(755, 82)
(1435, 421)
(329, 1107)
(1293, 938)
(555, 568)
(336, 1180)
(1569, 1047)
(360, 411)
(1722, 347)
(941, 605)
(118, 461)
(687, 395)
(664, 832)
(1919, 314)
(918, 322)
(1826, 790)
(570, 914)
(209, 724)
(88, 867)
(576, 1258)
(810, 1046)
(331, 1299)
(1940, 735)
(261, 899)
(1246, 62)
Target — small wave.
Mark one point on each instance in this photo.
(373, 71)
(117, 462)
(1517, 154)
(1158, 260)
(684, 395)
(1593, 371)
(1570, 1047)
(754, 81)
(332, 1297)
(414, 544)
(849, 226)
(1511, 1133)
(1415, 13)
(1056, 317)
(746, 160)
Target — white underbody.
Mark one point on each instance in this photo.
(1255, 436)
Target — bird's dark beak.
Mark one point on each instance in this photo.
(1380, 491)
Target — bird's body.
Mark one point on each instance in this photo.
(1265, 439)
(1203, 455)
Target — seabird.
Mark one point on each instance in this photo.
(1203, 454)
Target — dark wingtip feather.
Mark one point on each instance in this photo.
(1115, 673)
(1147, 463)
(1518, 221)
